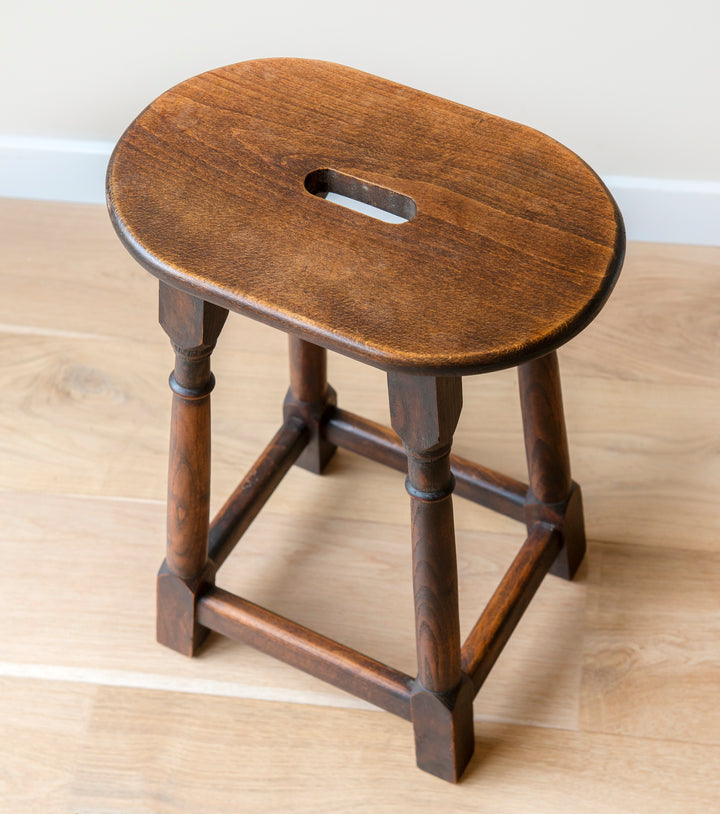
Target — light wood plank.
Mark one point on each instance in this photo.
(144, 751)
(71, 253)
(42, 729)
(641, 403)
(615, 675)
(88, 284)
(647, 469)
(94, 585)
(652, 662)
(660, 324)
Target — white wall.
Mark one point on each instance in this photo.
(631, 85)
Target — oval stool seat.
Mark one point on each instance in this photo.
(512, 248)
(503, 245)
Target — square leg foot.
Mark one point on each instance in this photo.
(443, 725)
(316, 455)
(567, 517)
(177, 626)
(318, 452)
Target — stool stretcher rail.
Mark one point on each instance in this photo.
(294, 644)
(509, 602)
(484, 486)
(243, 506)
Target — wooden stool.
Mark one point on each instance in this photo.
(510, 245)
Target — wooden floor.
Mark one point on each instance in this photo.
(607, 698)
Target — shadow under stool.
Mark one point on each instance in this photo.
(508, 246)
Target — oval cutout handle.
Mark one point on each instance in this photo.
(326, 183)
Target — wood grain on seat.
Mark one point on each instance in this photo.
(511, 247)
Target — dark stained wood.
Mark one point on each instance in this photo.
(568, 520)
(189, 482)
(308, 371)
(191, 323)
(322, 182)
(552, 497)
(508, 603)
(546, 444)
(515, 246)
(193, 327)
(311, 399)
(424, 412)
(366, 438)
(242, 507)
(472, 481)
(443, 726)
(177, 625)
(437, 628)
(511, 246)
(491, 489)
(309, 651)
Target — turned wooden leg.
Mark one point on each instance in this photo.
(193, 327)
(311, 397)
(553, 496)
(424, 412)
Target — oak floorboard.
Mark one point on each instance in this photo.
(641, 402)
(651, 643)
(605, 698)
(94, 585)
(661, 320)
(69, 275)
(190, 757)
(42, 729)
(661, 323)
(94, 418)
(149, 752)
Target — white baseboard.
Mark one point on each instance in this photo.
(655, 209)
(665, 210)
(53, 169)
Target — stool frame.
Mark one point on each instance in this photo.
(424, 413)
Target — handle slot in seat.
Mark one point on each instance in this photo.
(369, 199)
